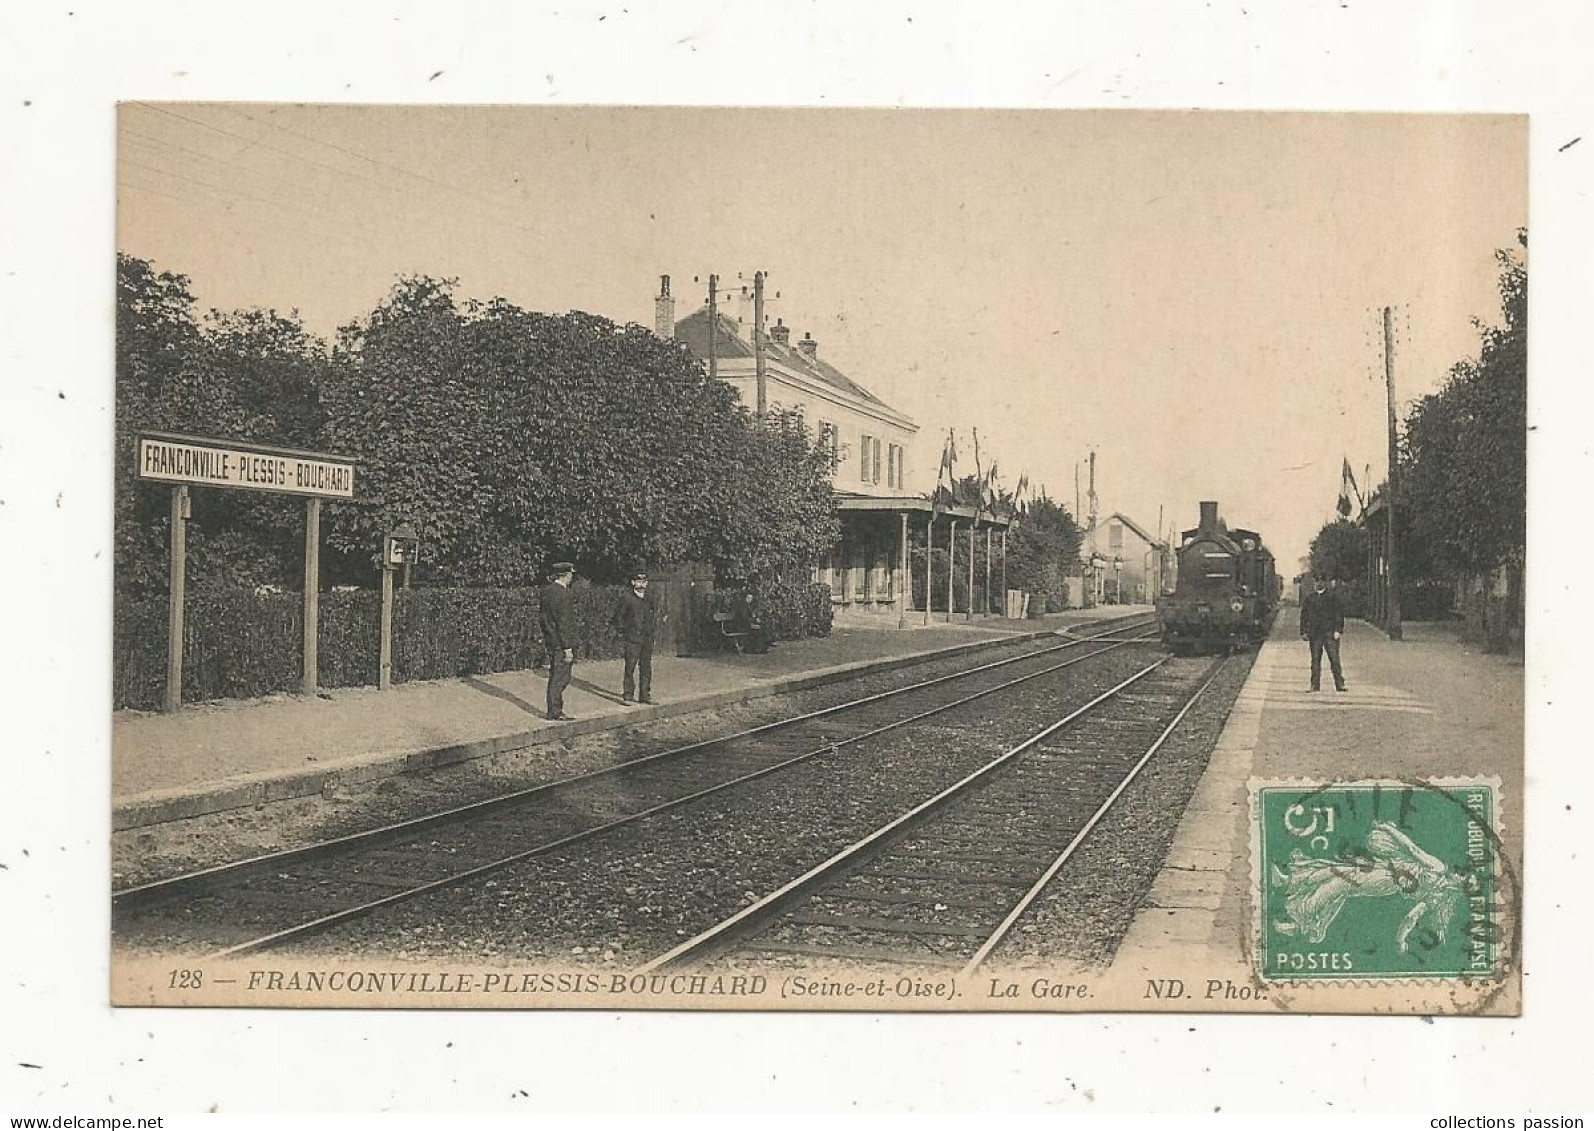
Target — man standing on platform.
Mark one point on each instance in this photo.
(559, 634)
(1322, 623)
(636, 620)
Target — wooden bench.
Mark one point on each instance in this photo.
(734, 636)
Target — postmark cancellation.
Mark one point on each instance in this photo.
(1373, 881)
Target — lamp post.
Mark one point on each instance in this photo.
(400, 548)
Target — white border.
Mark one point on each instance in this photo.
(62, 66)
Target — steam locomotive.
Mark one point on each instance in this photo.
(1227, 592)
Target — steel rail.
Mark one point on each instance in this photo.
(201, 879)
(324, 922)
(731, 930)
(1029, 897)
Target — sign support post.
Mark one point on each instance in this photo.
(384, 676)
(174, 615)
(312, 593)
(181, 461)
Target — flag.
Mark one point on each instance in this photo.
(1347, 491)
(944, 476)
(982, 481)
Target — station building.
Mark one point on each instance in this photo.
(1125, 564)
(874, 446)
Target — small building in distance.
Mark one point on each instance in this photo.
(1124, 564)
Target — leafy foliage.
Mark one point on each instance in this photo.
(1339, 552)
(253, 375)
(1044, 551)
(1464, 468)
(242, 643)
(792, 610)
(512, 439)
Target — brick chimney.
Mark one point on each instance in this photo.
(664, 310)
(780, 333)
(1209, 516)
(809, 347)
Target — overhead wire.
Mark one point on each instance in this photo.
(451, 201)
(453, 190)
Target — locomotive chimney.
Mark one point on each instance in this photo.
(1209, 516)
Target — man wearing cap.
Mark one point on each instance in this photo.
(1322, 623)
(559, 634)
(636, 620)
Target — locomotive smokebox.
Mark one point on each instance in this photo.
(1209, 515)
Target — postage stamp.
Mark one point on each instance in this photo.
(1378, 880)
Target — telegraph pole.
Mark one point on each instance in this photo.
(713, 326)
(1392, 598)
(758, 339)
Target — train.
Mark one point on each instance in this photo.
(1227, 592)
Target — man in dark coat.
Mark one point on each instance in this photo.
(559, 634)
(1322, 623)
(636, 619)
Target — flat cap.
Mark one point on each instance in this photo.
(561, 567)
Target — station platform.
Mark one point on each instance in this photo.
(1427, 707)
(213, 757)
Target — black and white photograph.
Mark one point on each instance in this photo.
(836, 559)
(795, 557)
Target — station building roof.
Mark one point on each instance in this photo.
(693, 332)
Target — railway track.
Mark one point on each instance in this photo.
(271, 900)
(942, 884)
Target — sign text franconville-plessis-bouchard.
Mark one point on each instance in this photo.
(227, 463)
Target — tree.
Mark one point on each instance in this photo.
(512, 439)
(1339, 552)
(1044, 550)
(1464, 467)
(252, 376)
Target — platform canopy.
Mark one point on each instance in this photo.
(917, 504)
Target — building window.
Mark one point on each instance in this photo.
(895, 475)
(830, 435)
(1115, 538)
(869, 460)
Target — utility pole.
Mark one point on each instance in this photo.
(1162, 552)
(1078, 514)
(1090, 497)
(1392, 608)
(758, 339)
(713, 326)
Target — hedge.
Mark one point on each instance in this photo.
(240, 644)
(793, 610)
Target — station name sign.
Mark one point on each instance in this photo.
(250, 467)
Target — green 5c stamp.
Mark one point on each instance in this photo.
(1377, 880)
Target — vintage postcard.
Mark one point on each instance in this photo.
(724, 559)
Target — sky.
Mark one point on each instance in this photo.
(1197, 297)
